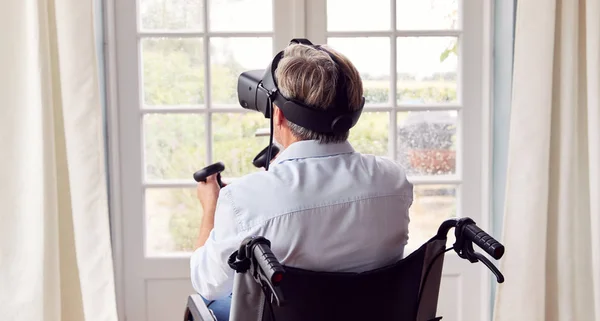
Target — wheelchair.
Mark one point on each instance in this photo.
(265, 290)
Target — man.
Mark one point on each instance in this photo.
(323, 206)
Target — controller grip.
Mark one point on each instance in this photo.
(260, 160)
(203, 174)
(484, 241)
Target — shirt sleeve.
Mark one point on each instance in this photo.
(211, 276)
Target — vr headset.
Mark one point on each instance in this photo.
(257, 90)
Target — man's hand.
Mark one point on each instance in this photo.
(208, 193)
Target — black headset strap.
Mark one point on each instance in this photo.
(305, 115)
(301, 41)
(341, 92)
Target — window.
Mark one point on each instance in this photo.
(190, 57)
(177, 65)
(408, 61)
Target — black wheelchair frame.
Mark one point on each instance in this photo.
(263, 295)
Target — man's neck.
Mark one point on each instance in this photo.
(287, 140)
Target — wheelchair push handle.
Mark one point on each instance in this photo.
(467, 232)
(268, 263)
(485, 241)
(267, 270)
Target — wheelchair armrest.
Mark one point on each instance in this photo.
(196, 310)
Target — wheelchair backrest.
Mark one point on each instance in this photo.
(405, 290)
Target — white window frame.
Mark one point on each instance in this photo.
(123, 103)
(473, 92)
(125, 141)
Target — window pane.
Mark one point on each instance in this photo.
(371, 133)
(432, 204)
(371, 56)
(229, 57)
(174, 145)
(173, 217)
(241, 15)
(427, 142)
(426, 14)
(427, 70)
(234, 141)
(173, 71)
(358, 15)
(171, 14)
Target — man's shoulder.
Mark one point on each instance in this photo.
(298, 174)
(383, 163)
(280, 173)
(384, 160)
(255, 181)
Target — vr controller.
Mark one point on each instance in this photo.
(203, 174)
(259, 161)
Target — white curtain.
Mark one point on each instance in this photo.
(552, 212)
(55, 251)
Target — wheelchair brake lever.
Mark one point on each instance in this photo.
(467, 252)
(492, 267)
(275, 290)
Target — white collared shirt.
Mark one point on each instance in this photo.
(324, 207)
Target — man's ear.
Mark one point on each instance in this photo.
(278, 118)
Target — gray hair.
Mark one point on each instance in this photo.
(310, 75)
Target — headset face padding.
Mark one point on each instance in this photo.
(259, 93)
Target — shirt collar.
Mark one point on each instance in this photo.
(313, 149)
